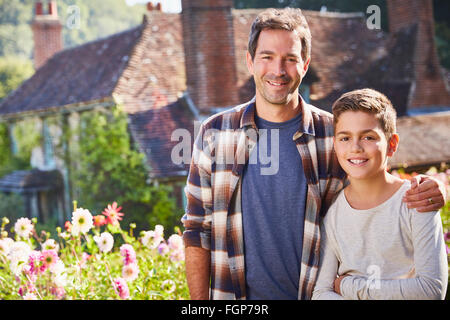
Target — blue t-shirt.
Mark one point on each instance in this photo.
(273, 209)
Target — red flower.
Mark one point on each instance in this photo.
(68, 226)
(99, 220)
(113, 214)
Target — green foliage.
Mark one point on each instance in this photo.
(26, 136)
(442, 33)
(13, 71)
(96, 19)
(107, 168)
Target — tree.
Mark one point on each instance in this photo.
(107, 168)
(13, 71)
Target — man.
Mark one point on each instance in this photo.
(252, 231)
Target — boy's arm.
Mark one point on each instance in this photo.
(430, 262)
(197, 220)
(328, 267)
(426, 194)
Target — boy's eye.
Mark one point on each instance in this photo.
(369, 138)
(344, 139)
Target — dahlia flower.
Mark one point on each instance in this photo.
(82, 221)
(113, 214)
(23, 227)
(128, 253)
(121, 287)
(130, 272)
(104, 242)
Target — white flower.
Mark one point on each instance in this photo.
(23, 227)
(58, 267)
(104, 242)
(18, 255)
(30, 296)
(82, 221)
(50, 244)
(5, 245)
(175, 242)
(130, 271)
(153, 238)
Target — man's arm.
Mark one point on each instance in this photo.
(197, 220)
(198, 269)
(426, 194)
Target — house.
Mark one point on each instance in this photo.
(173, 70)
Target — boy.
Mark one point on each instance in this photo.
(378, 248)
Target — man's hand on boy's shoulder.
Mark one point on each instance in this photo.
(426, 194)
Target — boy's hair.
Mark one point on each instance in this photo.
(289, 19)
(370, 101)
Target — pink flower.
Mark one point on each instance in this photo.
(48, 258)
(121, 287)
(34, 265)
(163, 248)
(177, 255)
(128, 253)
(130, 272)
(113, 214)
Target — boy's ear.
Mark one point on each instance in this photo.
(393, 144)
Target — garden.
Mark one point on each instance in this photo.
(94, 258)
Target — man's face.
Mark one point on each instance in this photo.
(277, 67)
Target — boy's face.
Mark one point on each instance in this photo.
(277, 67)
(361, 145)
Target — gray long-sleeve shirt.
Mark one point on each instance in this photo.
(390, 252)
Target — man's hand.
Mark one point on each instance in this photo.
(426, 194)
(337, 283)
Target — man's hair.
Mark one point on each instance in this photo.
(289, 19)
(370, 101)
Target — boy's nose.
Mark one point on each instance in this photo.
(356, 147)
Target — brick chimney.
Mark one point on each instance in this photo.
(47, 33)
(208, 39)
(430, 87)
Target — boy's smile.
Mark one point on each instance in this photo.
(361, 145)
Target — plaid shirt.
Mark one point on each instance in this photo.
(213, 218)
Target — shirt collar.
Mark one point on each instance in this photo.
(306, 124)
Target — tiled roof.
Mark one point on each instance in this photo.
(31, 181)
(424, 140)
(78, 75)
(153, 130)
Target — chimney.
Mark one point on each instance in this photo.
(47, 34)
(208, 39)
(430, 88)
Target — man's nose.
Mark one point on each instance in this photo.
(279, 68)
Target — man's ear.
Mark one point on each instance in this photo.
(306, 66)
(249, 63)
(393, 144)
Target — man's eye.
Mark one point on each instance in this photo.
(344, 139)
(369, 138)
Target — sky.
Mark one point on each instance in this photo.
(172, 6)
